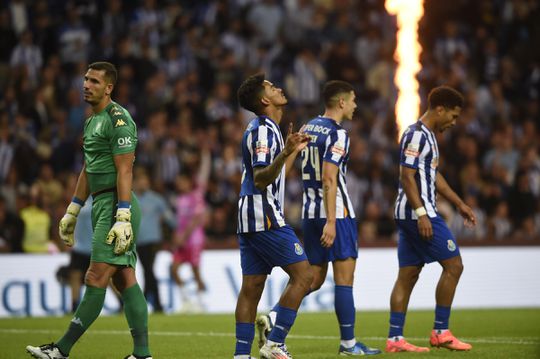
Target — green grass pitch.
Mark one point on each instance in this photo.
(508, 333)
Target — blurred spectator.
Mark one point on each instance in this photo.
(478, 232)
(189, 237)
(11, 230)
(37, 225)
(265, 18)
(74, 37)
(149, 239)
(26, 58)
(500, 226)
(50, 188)
(80, 253)
(8, 40)
(7, 149)
(522, 202)
(180, 63)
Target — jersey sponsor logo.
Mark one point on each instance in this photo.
(119, 123)
(261, 147)
(124, 142)
(412, 150)
(451, 245)
(338, 149)
(317, 128)
(298, 249)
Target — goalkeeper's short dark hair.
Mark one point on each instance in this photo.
(250, 93)
(111, 74)
(445, 96)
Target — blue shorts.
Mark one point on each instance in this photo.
(345, 244)
(262, 251)
(414, 251)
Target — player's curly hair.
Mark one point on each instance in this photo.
(250, 93)
(334, 88)
(445, 96)
(111, 74)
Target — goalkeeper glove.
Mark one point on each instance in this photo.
(121, 232)
(66, 227)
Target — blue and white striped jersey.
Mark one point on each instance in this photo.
(260, 210)
(419, 150)
(329, 142)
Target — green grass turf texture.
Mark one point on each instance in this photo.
(501, 333)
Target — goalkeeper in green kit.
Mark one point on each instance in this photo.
(109, 142)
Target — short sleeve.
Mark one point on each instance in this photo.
(336, 147)
(123, 133)
(262, 146)
(412, 148)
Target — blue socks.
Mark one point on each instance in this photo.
(284, 321)
(442, 317)
(245, 332)
(397, 321)
(345, 311)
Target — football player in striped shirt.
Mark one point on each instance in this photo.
(266, 241)
(424, 237)
(329, 224)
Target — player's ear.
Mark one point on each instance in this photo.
(109, 89)
(341, 102)
(440, 110)
(265, 101)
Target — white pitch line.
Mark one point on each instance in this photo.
(490, 340)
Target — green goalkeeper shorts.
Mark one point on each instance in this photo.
(103, 218)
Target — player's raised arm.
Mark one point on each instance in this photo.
(289, 162)
(263, 176)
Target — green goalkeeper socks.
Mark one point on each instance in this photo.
(136, 311)
(88, 310)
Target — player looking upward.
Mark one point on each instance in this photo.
(423, 235)
(329, 225)
(265, 240)
(109, 142)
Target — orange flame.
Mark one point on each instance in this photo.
(407, 55)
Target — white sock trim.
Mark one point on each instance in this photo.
(349, 343)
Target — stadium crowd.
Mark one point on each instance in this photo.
(180, 63)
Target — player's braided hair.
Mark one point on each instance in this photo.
(250, 93)
(111, 75)
(445, 96)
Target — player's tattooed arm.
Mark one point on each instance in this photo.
(263, 176)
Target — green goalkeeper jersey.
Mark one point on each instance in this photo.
(107, 133)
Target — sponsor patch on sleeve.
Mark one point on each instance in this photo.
(261, 147)
(338, 149)
(412, 150)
